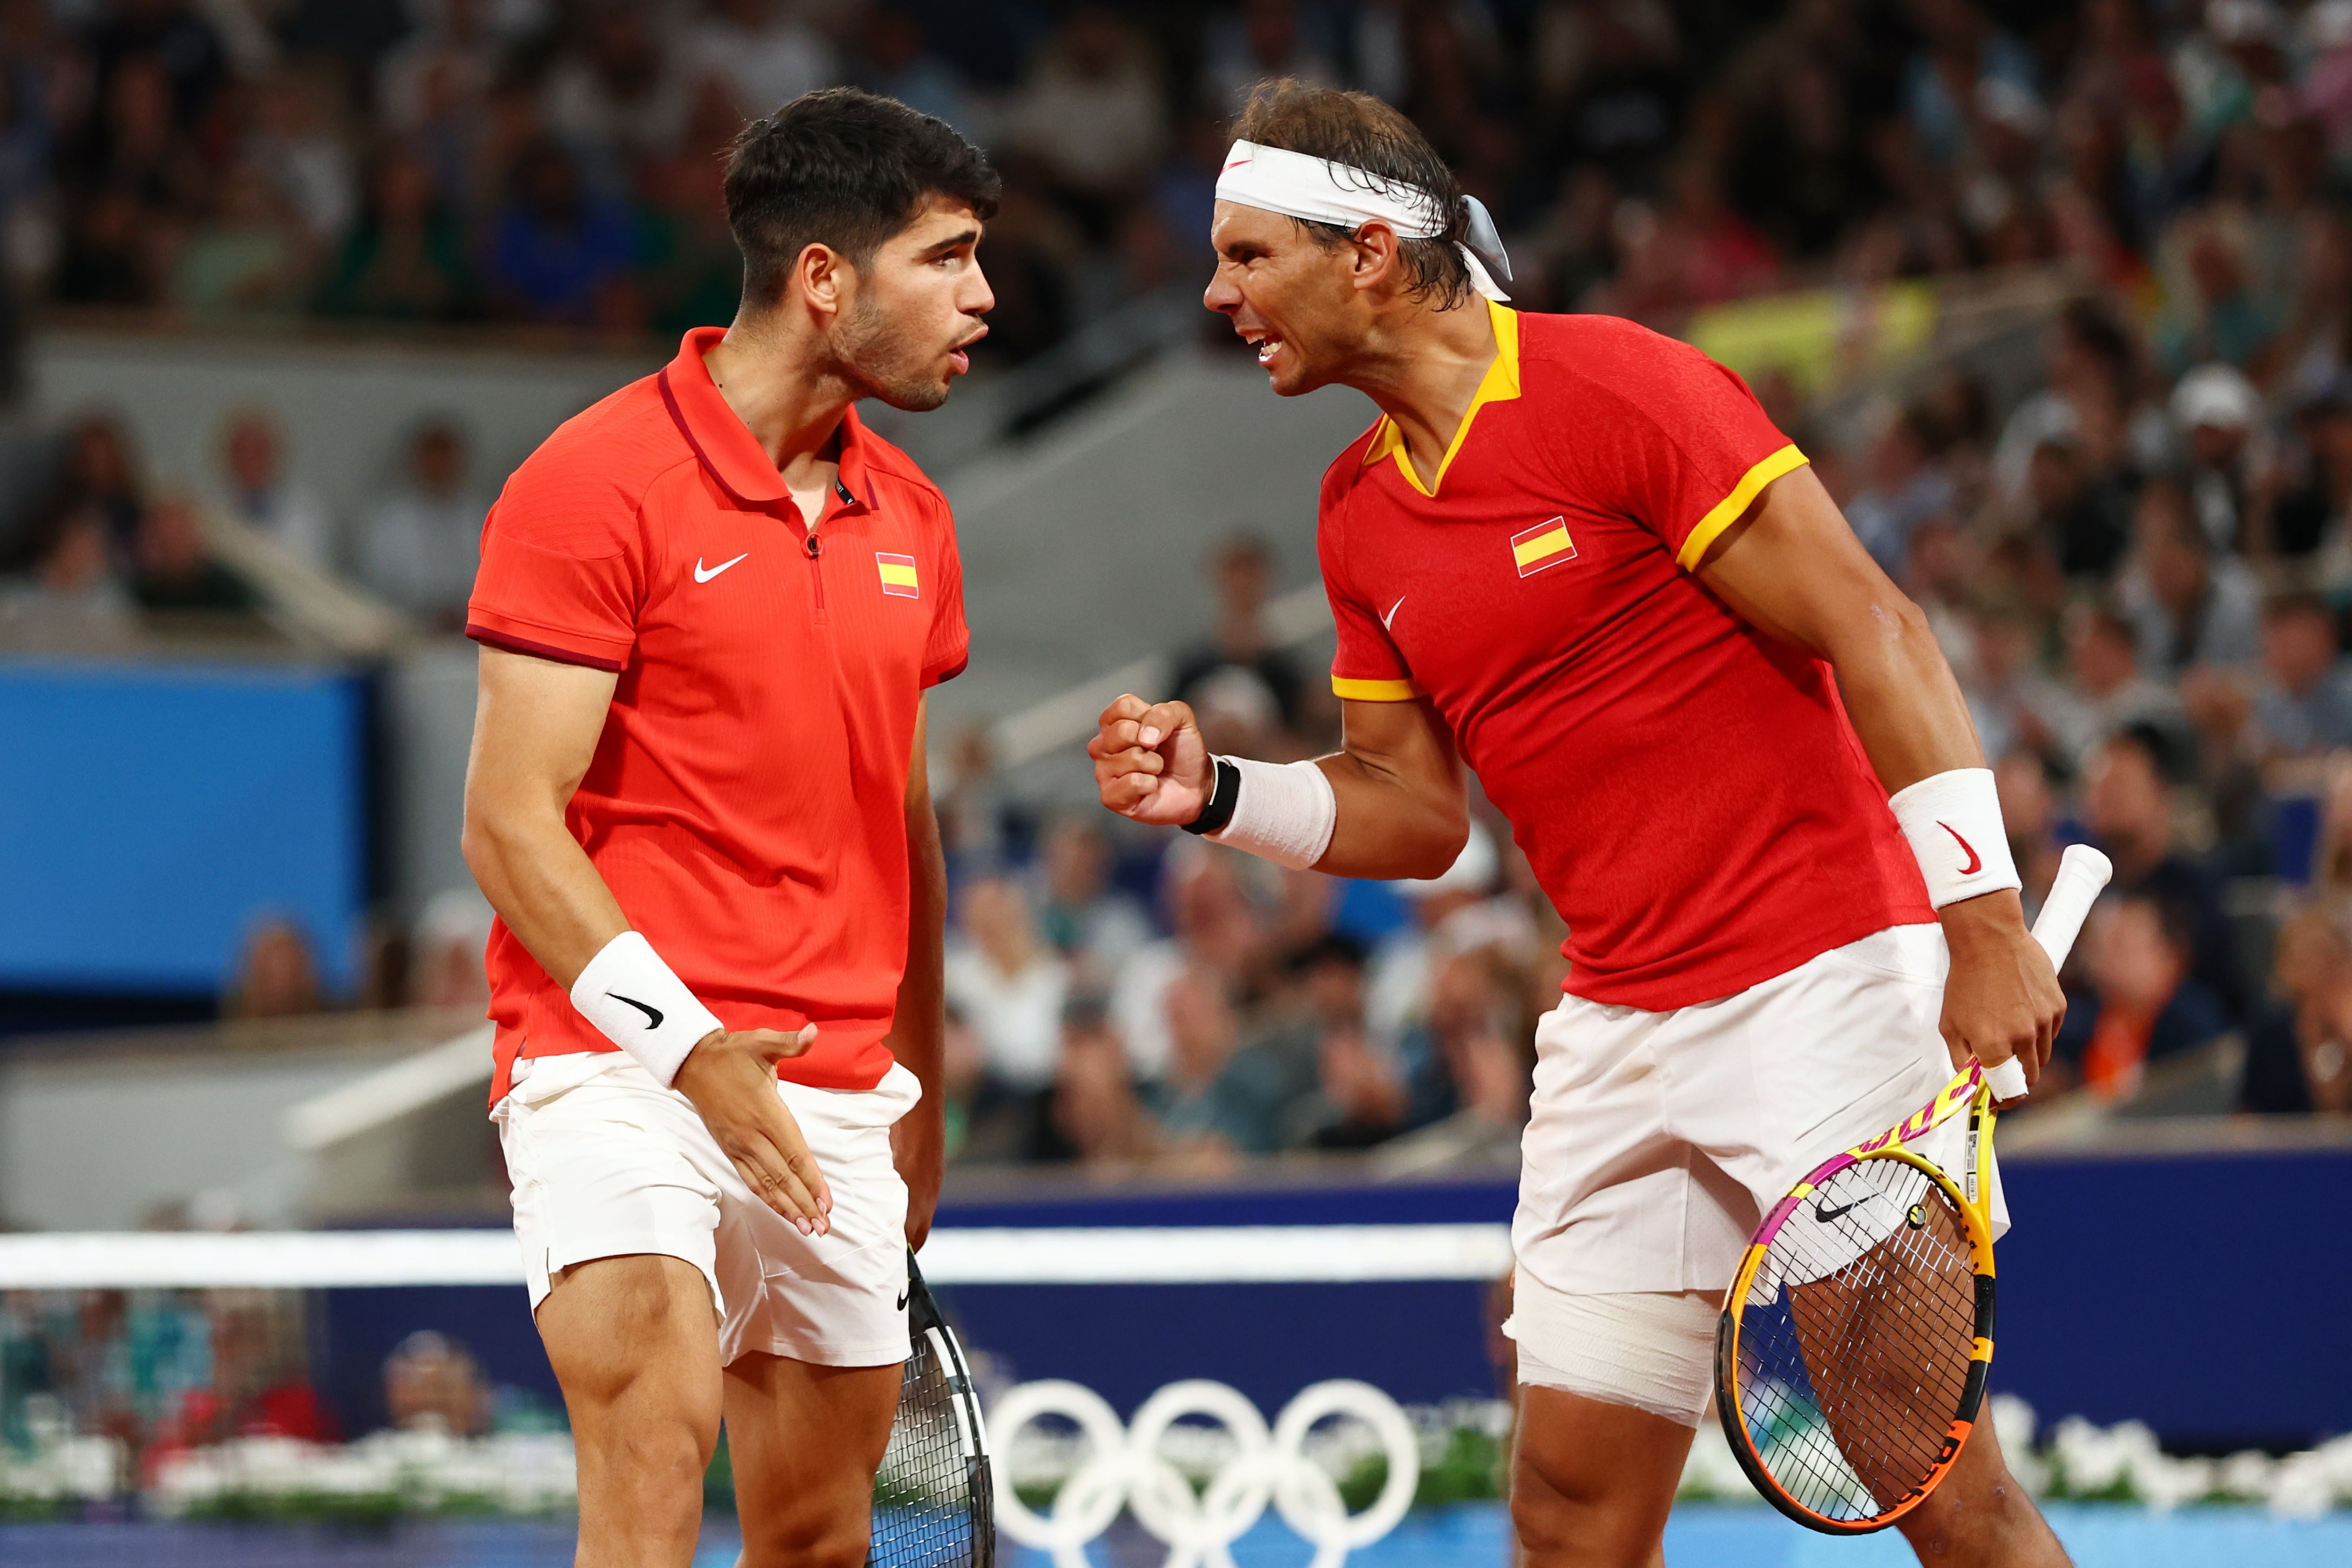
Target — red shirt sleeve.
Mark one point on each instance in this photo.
(949, 647)
(562, 570)
(1367, 666)
(1689, 446)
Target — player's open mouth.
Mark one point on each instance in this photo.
(1266, 344)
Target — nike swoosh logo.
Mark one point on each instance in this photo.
(1389, 620)
(1234, 164)
(653, 1014)
(1825, 1216)
(902, 1299)
(702, 576)
(1974, 865)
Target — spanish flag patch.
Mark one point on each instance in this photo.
(899, 578)
(1545, 545)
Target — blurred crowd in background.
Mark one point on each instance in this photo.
(2140, 571)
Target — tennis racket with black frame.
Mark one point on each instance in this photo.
(934, 1497)
(1851, 1358)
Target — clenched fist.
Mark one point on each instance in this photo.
(1150, 762)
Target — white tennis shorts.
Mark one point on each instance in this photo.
(1657, 1141)
(606, 1162)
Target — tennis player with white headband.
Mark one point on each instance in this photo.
(1577, 556)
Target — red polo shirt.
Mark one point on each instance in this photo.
(746, 803)
(1688, 791)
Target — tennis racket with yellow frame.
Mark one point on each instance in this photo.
(1851, 1359)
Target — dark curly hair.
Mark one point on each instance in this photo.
(844, 169)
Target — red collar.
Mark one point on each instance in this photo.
(729, 450)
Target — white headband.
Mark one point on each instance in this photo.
(1320, 190)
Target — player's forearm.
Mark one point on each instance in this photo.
(918, 1027)
(1391, 822)
(541, 883)
(1900, 693)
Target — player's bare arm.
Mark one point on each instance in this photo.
(1397, 783)
(536, 725)
(918, 1027)
(1794, 569)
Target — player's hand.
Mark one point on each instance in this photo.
(2002, 999)
(1150, 762)
(918, 1146)
(730, 1077)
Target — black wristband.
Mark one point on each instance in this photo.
(1226, 794)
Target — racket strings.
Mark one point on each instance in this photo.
(1854, 1339)
(923, 1501)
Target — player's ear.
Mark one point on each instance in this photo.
(1376, 248)
(820, 271)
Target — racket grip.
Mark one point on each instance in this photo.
(2083, 871)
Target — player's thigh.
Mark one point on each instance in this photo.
(634, 1344)
(803, 1442)
(1592, 1482)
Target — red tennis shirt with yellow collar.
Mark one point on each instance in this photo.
(746, 803)
(1689, 791)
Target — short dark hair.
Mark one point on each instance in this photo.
(845, 169)
(1360, 130)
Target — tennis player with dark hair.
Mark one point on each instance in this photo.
(1577, 555)
(709, 607)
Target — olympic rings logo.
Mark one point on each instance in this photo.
(1126, 1468)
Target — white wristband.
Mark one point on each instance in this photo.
(1953, 821)
(635, 1001)
(1285, 813)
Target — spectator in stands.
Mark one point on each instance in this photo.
(1096, 1116)
(2142, 1004)
(2015, 704)
(1467, 1067)
(1008, 985)
(1355, 1094)
(1214, 931)
(101, 471)
(1216, 1100)
(2189, 605)
(1906, 488)
(256, 491)
(2296, 1056)
(765, 55)
(1091, 114)
(169, 33)
(442, 71)
(249, 258)
(2303, 704)
(618, 94)
(2127, 805)
(2083, 519)
(1269, 40)
(1461, 911)
(176, 568)
(1093, 925)
(2217, 410)
(561, 252)
(404, 261)
(2029, 813)
(894, 61)
(419, 545)
(431, 1383)
(2310, 513)
(298, 151)
(72, 601)
(2103, 661)
(277, 977)
(1242, 576)
(445, 948)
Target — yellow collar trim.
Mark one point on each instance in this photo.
(1500, 386)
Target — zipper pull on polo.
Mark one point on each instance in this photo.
(816, 545)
